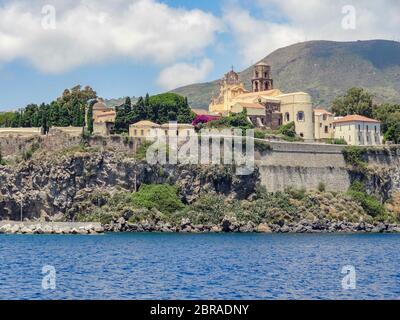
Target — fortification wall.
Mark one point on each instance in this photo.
(22, 132)
(301, 165)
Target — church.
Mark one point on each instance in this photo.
(266, 107)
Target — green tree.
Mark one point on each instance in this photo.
(162, 197)
(389, 115)
(355, 101)
(124, 116)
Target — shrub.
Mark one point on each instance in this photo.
(141, 151)
(27, 154)
(262, 146)
(321, 187)
(207, 209)
(336, 141)
(370, 204)
(355, 156)
(162, 197)
(288, 130)
(2, 161)
(259, 134)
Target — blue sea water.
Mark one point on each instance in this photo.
(200, 266)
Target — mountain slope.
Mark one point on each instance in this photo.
(325, 69)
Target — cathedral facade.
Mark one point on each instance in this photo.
(266, 107)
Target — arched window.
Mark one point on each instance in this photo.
(287, 117)
(256, 86)
(300, 116)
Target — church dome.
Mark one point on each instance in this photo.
(99, 105)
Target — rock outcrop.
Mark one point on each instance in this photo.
(48, 188)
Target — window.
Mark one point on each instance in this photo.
(326, 129)
(324, 117)
(300, 116)
(287, 117)
(265, 75)
(375, 129)
(256, 74)
(367, 129)
(349, 138)
(142, 132)
(359, 127)
(320, 124)
(135, 132)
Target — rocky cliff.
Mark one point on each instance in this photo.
(91, 184)
(48, 189)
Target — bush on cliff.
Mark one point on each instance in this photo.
(355, 156)
(207, 209)
(162, 197)
(370, 204)
(2, 162)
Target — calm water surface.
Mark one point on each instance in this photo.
(213, 266)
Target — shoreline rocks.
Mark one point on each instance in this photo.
(232, 226)
(49, 228)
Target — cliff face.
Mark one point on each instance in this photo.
(49, 188)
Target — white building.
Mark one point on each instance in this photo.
(358, 130)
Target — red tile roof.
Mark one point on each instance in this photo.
(320, 111)
(356, 118)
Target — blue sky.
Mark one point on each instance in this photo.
(130, 47)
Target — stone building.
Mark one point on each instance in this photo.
(146, 130)
(279, 108)
(103, 118)
(358, 130)
(323, 120)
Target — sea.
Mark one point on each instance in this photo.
(132, 266)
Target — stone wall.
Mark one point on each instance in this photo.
(22, 132)
(301, 165)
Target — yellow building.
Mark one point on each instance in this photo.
(143, 129)
(323, 120)
(147, 130)
(292, 107)
(103, 118)
(358, 130)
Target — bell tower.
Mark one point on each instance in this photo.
(261, 80)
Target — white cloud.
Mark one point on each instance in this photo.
(181, 74)
(89, 31)
(292, 21)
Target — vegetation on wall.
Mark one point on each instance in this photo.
(355, 156)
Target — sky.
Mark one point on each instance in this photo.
(133, 47)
